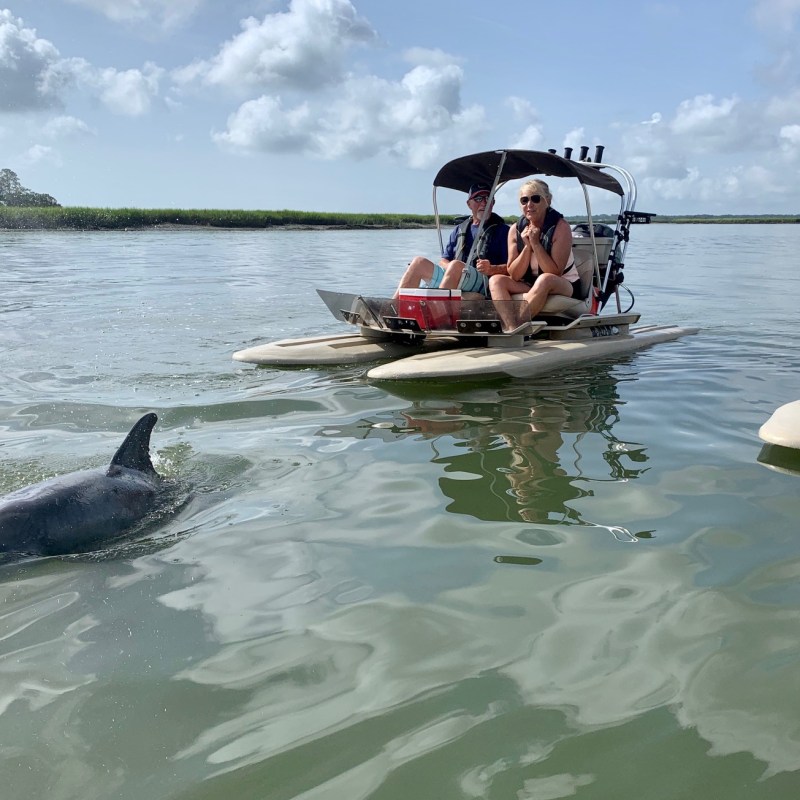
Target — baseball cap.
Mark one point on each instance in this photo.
(478, 188)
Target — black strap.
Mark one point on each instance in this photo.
(481, 251)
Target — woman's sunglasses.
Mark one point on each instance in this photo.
(534, 198)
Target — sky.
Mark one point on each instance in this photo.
(353, 105)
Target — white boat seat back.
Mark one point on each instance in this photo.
(568, 306)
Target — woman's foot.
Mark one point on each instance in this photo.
(514, 315)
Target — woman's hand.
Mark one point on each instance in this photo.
(531, 234)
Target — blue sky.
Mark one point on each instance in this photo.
(352, 105)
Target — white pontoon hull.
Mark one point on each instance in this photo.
(537, 358)
(783, 427)
(342, 348)
(447, 358)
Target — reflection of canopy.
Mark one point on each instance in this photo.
(461, 173)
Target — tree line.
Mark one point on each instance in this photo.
(13, 193)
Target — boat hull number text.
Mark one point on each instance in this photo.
(605, 330)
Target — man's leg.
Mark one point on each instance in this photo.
(452, 275)
(419, 269)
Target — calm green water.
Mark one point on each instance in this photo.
(585, 585)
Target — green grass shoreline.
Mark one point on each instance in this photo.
(83, 219)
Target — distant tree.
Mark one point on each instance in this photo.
(9, 185)
(13, 193)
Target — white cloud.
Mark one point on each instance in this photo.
(713, 153)
(704, 125)
(791, 133)
(776, 14)
(264, 124)
(425, 100)
(531, 138)
(129, 92)
(65, 127)
(790, 141)
(701, 127)
(575, 139)
(532, 135)
(26, 67)
(301, 48)
(34, 76)
(415, 119)
(38, 153)
(777, 20)
(523, 110)
(166, 14)
(700, 114)
(783, 108)
(781, 69)
(430, 57)
(422, 151)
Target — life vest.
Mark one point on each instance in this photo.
(551, 220)
(481, 251)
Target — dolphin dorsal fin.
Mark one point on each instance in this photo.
(134, 452)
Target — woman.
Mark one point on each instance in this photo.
(540, 260)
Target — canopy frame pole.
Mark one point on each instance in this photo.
(487, 208)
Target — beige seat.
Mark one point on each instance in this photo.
(568, 306)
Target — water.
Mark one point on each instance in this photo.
(583, 585)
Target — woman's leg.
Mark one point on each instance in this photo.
(501, 287)
(545, 285)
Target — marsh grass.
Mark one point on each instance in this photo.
(732, 219)
(80, 218)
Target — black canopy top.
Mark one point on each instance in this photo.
(461, 173)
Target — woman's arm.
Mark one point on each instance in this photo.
(555, 261)
(518, 262)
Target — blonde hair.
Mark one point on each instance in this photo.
(536, 186)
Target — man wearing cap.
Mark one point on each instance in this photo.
(452, 271)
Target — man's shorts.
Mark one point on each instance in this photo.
(471, 280)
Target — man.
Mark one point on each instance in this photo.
(452, 271)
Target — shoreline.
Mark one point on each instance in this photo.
(58, 218)
(171, 226)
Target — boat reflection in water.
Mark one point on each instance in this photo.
(523, 452)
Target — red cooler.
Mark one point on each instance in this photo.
(433, 309)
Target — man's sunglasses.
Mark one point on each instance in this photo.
(534, 198)
(480, 198)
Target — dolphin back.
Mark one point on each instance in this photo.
(134, 452)
(68, 513)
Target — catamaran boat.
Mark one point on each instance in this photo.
(427, 334)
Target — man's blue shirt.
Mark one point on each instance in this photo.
(496, 248)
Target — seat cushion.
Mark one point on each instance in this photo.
(561, 304)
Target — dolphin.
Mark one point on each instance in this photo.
(69, 513)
